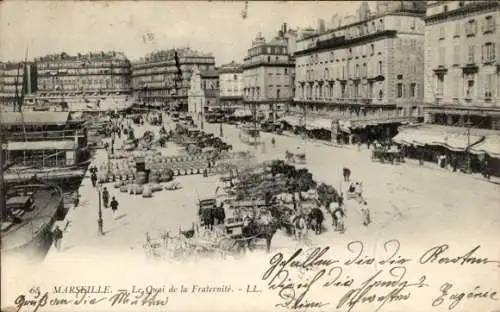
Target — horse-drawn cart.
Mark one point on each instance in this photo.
(386, 154)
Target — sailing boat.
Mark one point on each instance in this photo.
(64, 152)
(28, 210)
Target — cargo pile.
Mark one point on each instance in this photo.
(272, 179)
(194, 243)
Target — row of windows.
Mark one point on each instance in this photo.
(267, 50)
(345, 71)
(487, 54)
(470, 27)
(470, 88)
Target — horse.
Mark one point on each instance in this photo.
(289, 157)
(300, 227)
(338, 219)
(315, 220)
(253, 231)
(208, 218)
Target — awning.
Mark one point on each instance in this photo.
(453, 138)
(242, 113)
(291, 120)
(490, 146)
(319, 123)
(41, 145)
(345, 126)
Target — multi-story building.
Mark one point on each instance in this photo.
(62, 77)
(364, 73)
(268, 73)
(462, 51)
(231, 85)
(16, 77)
(155, 78)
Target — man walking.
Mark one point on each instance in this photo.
(58, 236)
(114, 207)
(105, 197)
(93, 178)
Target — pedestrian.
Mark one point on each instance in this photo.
(347, 174)
(105, 197)
(76, 199)
(58, 236)
(106, 145)
(114, 207)
(93, 178)
(273, 141)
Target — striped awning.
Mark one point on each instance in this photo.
(291, 120)
(41, 145)
(490, 146)
(319, 123)
(457, 140)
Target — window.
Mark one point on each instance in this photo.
(441, 32)
(471, 55)
(488, 86)
(488, 54)
(365, 72)
(235, 77)
(278, 93)
(489, 24)
(470, 28)
(470, 88)
(286, 71)
(372, 49)
(461, 4)
(413, 90)
(440, 85)
(268, 50)
(268, 59)
(380, 67)
(441, 56)
(400, 90)
(445, 8)
(457, 30)
(456, 55)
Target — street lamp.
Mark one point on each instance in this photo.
(469, 160)
(99, 219)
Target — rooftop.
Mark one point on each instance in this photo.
(33, 118)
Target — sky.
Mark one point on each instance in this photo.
(140, 27)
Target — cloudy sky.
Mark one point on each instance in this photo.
(140, 27)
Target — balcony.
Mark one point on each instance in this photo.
(470, 66)
(440, 70)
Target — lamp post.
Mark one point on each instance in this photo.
(469, 160)
(99, 215)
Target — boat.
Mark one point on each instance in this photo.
(49, 145)
(29, 212)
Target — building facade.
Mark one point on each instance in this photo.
(84, 75)
(155, 78)
(231, 85)
(462, 52)
(268, 73)
(16, 77)
(366, 70)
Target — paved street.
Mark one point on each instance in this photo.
(403, 199)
